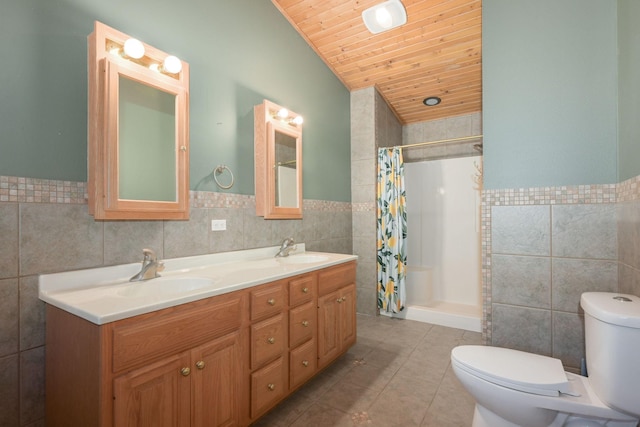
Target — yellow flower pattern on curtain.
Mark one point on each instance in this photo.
(391, 230)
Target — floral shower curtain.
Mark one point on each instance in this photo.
(392, 230)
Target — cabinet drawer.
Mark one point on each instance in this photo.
(336, 277)
(302, 363)
(302, 289)
(268, 385)
(268, 340)
(143, 339)
(302, 323)
(267, 300)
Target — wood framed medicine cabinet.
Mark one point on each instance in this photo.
(278, 162)
(138, 152)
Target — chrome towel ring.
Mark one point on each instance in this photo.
(218, 171)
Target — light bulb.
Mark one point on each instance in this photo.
(283, 113)
(298, 120)
(383, 17)
(134, 48)
(172, 65)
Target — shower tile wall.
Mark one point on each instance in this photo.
(545, 247)
(363, 171)
(373, 125)
(434, 130)
(58, 234)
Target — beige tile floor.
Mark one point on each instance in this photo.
(398, 374)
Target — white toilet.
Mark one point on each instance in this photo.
(517, 389)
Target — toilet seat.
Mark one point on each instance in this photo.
(517, 370)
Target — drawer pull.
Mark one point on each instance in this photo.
(271, 301)
(200, 364)
(305, 363)
(185, 371)
(271, 340)
(305, 290)
(271, 386)
(339, 300)
(305, 323)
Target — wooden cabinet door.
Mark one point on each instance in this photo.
(336, 323)
(347, 316)
(328, 325)
(217, 382)
(157, 395)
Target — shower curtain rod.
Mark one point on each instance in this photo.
(441, 141)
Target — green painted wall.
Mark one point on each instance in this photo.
(549, 93)
(240, 52)
(629, 88)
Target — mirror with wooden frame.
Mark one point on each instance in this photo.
(138, 129)
(278, 162)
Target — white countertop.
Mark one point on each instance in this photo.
(103, 295)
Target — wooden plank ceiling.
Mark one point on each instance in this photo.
(436, 53)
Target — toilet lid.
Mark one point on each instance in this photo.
(513, 369)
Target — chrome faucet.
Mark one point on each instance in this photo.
(286, 246)
(150, 267)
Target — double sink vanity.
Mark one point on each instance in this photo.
(218, 340)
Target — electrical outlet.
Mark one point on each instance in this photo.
(218, 224)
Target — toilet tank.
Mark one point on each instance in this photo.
(612, 341)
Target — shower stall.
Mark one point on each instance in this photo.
(443, 242)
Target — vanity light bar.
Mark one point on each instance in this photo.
(134, 51)
(283, 115)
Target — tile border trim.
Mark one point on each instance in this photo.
(35, 190)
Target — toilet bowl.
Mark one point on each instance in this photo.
(517, 389)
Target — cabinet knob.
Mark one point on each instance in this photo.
(344, 298)
(271, 301)
(305, 363)
(271, 386)
(305, 323)
(271, 340)
(305, 290)
(200, 364)
(185, 371)
(183, 148)
(339, 300)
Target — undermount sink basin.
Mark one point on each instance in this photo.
(303, 259)
(165, 286)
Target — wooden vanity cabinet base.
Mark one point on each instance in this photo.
(220, 361)
(178, 366)
(74, 377)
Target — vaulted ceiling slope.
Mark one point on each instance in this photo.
(436, 53)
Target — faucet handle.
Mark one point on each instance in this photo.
(149, 254)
